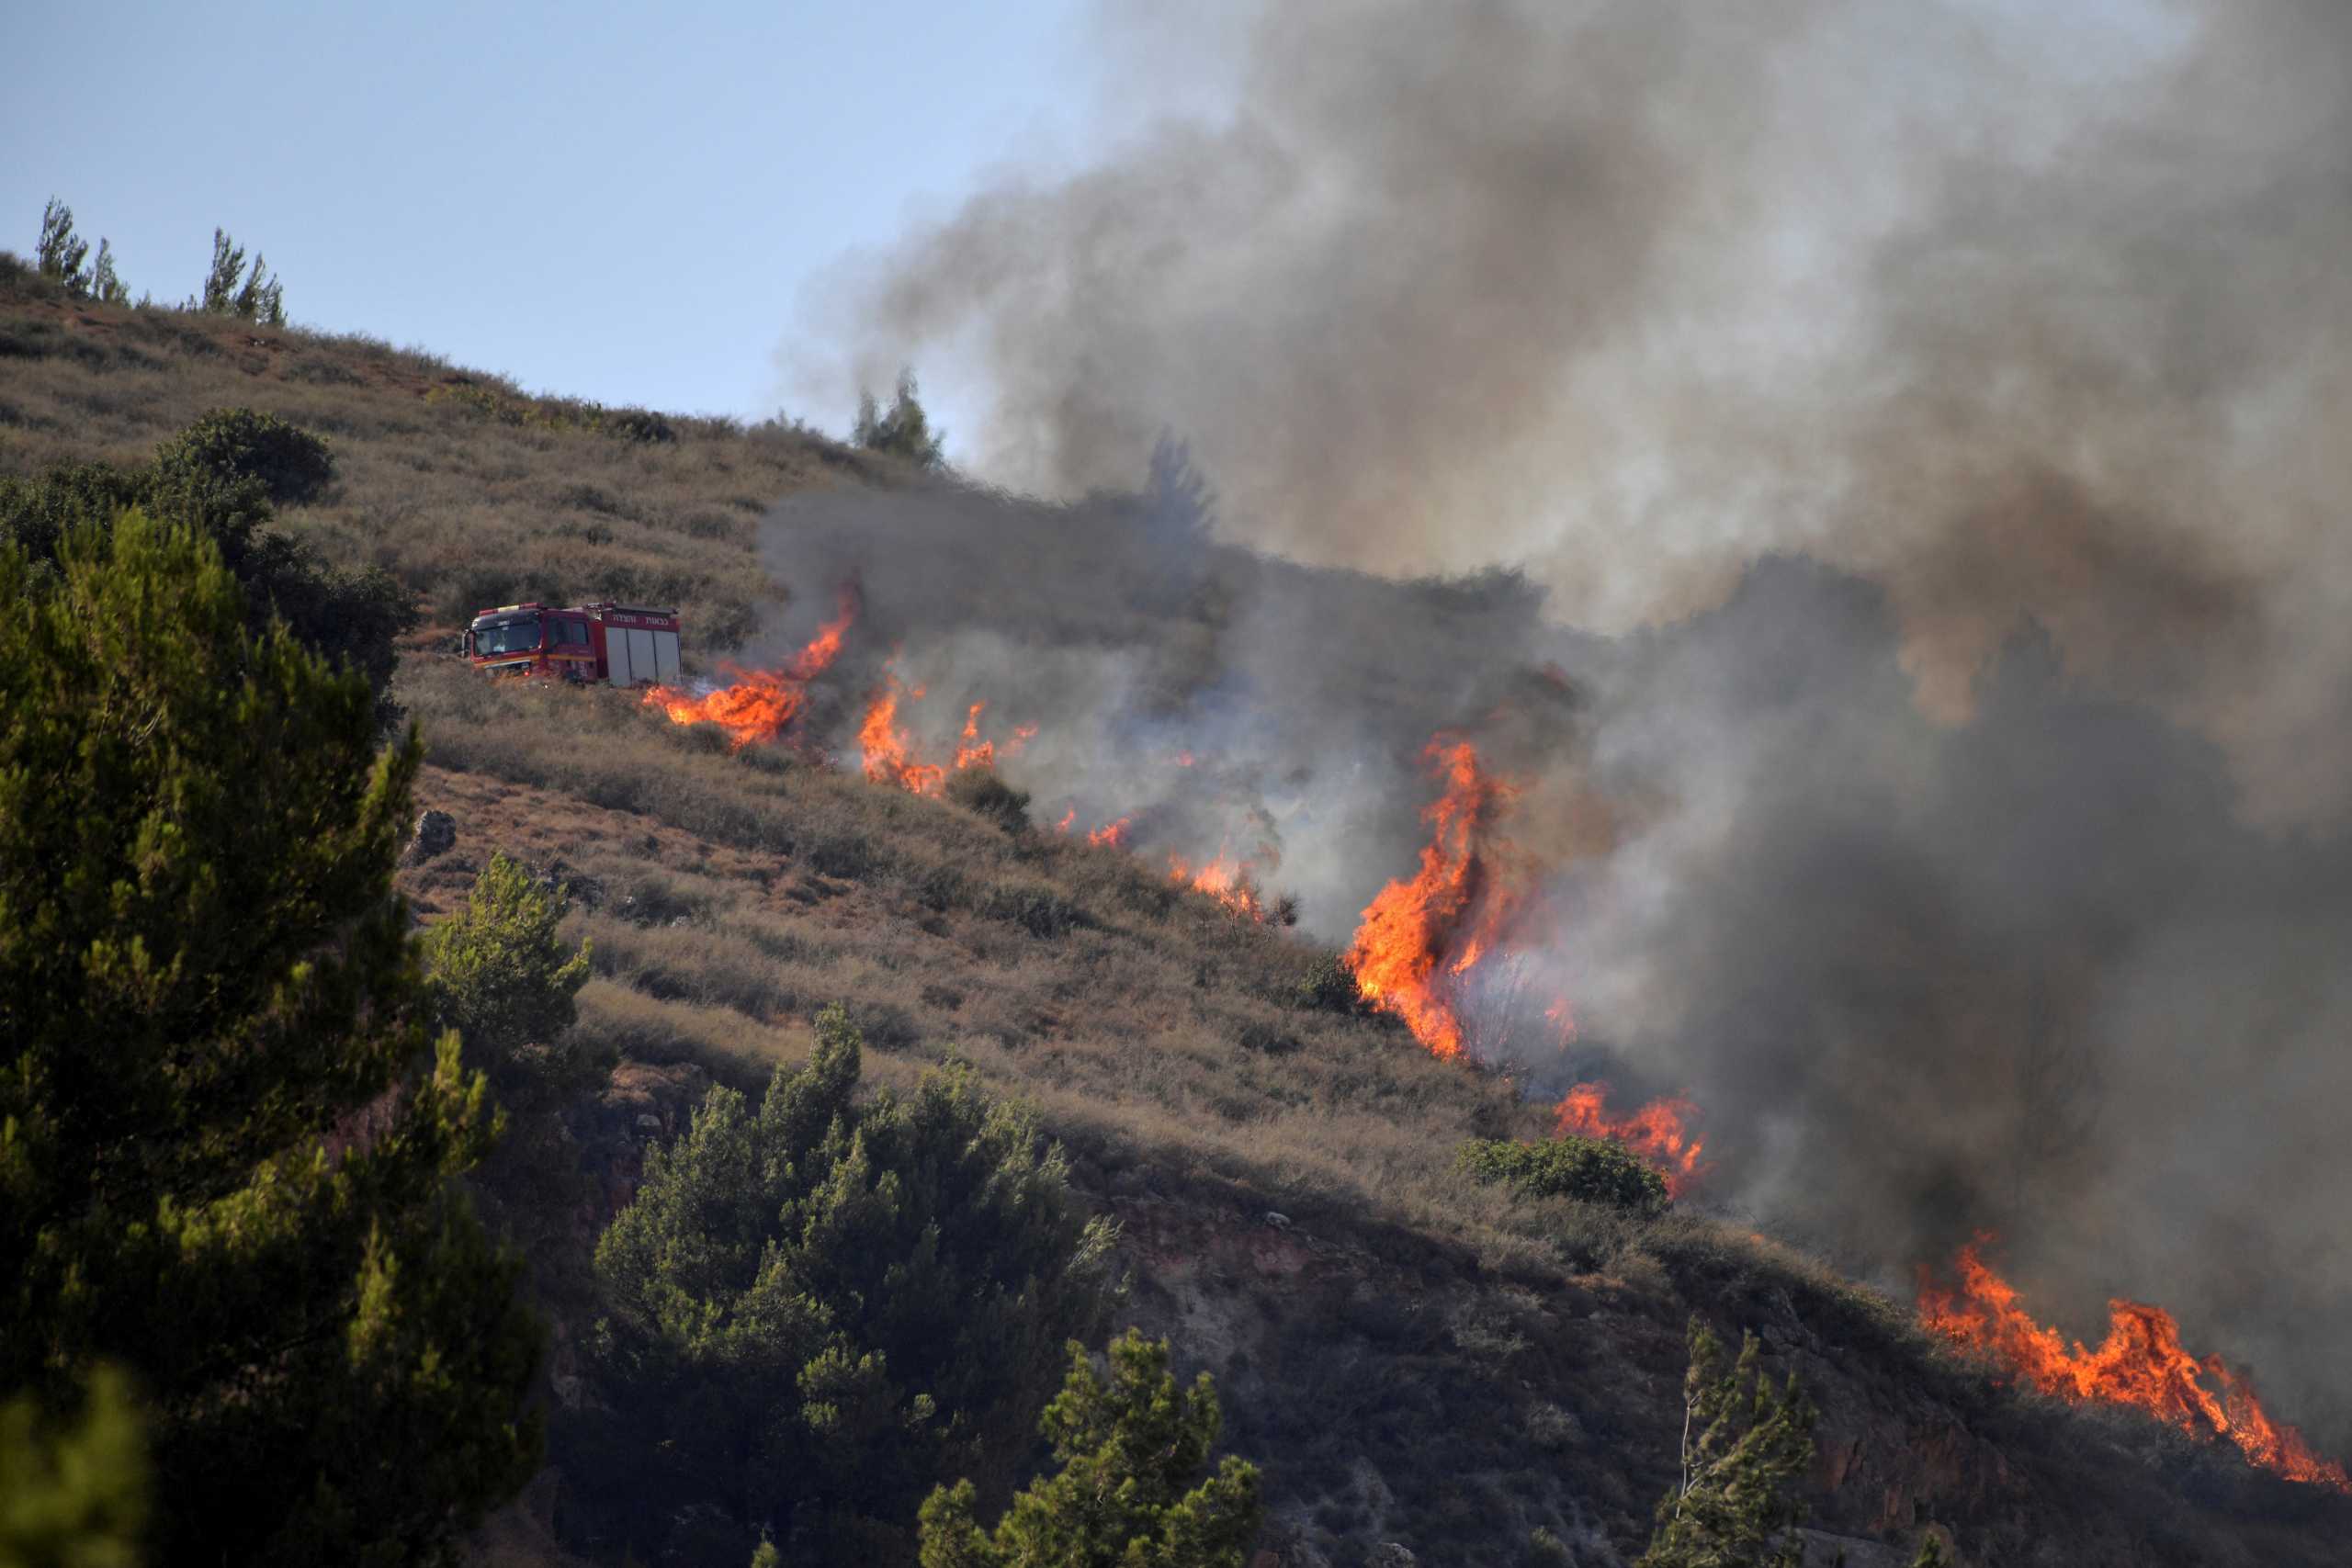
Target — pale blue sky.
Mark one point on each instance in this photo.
(621, 202)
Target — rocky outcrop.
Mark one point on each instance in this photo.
(435, 833)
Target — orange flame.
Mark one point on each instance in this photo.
(888, 753)
(2140, 1363)
(1111, 835)
(762, 702)
(971, 751)
(1068, 818)
(1657, 1134)
(1417, 935)
(1225, 879)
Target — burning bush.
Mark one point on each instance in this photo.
(1584, 1168)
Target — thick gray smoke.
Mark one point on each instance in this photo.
(1938, 412)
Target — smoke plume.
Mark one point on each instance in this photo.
(1930, 418)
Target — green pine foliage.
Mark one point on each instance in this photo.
(905, 431)
(819, 1307)
(76, 1491)
(106, 285)
(1931, 1553)
(506, 983)
(258, 296)
(1591, 1169)
(1134, 1490)
(229, 1146)
(218, 477)
(59, 253)
(1745, 1448)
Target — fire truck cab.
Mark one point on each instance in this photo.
(628, 645)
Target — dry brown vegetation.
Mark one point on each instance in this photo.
(1412, 1356)
(467, 490)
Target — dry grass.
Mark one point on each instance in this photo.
(467, 490)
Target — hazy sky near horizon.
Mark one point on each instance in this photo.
(614, 201)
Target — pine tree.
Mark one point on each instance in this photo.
(228, 1145)
(905, 431)
(1132, 1491)
(105, 287)
(1745, 1450)
(76, 1491)
(220, 279)
(819, 1306)
(1931, 1553)
(258, 297)
(60, 253)
(506, 983)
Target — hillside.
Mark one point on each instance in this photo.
(1410, 1356)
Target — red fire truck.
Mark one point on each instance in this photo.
(628, 645)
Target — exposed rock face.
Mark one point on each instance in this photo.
(435, 833)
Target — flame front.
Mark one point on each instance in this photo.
(1419, 935)
(761, 702)
(1658, 1134)
(888, 751)
(2140, 1363)
(1110, 836)
(1230, 882)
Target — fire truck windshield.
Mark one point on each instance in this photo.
(518, 634)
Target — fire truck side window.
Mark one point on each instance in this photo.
(576, 633)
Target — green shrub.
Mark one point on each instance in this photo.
(291, 465)
(1584, 1168)
(980, 790)
(819, 1308)
(1330, 985)
(1133, 1488)
(504, 979)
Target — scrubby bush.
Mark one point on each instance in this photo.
(291, 465)
(1135, 1489)
(980, 790)
(1585, 1168)
(1035, 907)
(819, 1308)
(1330, 985)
